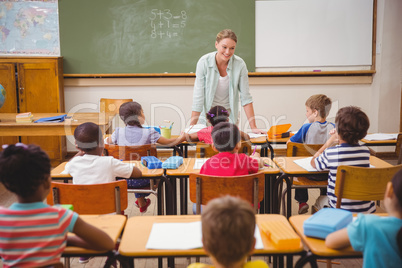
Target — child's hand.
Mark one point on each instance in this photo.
(257, 157)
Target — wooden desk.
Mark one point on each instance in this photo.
(291, 169)
(8, 126)
(379, 142)
(187, 167)
(111, 224)
(146, 173)
(137, 231)
(317, 246)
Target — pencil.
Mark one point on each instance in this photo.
(255, 147)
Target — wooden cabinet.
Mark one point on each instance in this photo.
(34, 84)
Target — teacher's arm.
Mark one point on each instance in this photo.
(198, 92)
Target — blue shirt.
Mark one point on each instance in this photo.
(376, 237)
(134, 135)
(313, 133)
(206, 82)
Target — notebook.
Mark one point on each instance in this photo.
(52, 119)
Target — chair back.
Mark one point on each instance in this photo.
(204, 188)
(99, 198)
(111, 105)
(398, 148)
(360, 183)
(301, 149)
(204, 150)
(132, 153)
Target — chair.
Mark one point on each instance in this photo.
(99, 198)
(359, 183)
(130, 153)
(204, 188)
(302, 149)
(204, 150)
(112, 106)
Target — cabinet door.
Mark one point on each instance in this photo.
(39, 93)
(7, 80)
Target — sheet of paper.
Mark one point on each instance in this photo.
(183, 236)
(253, 135)
(199, 162)
(305, 163)
(195, 128)
(381, 136)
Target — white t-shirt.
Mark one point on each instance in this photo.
(92, 169)
(222, 93)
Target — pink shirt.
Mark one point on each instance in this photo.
(205, 135)
(228, 164)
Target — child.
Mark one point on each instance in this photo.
(316, 131)
(33, 234)
(226, 140)
(379, 238)
(134, 134)
(216, 115)
(90, 167)
(352, 125)
(228, 226)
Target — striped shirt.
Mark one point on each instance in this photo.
(348, 155)
(34, 234)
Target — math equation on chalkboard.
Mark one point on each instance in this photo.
(167, 24)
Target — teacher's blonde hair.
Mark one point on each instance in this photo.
(227, 33)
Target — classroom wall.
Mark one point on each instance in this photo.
(277, 103)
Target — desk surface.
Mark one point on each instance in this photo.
(137, 230)
(111, 224)
(287, 165)
(56, 172)
(8, 126)
(188, 167)
(317, 246)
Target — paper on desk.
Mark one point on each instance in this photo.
(182, 236)
(254, 135)
(381, 136)
(195, 128)
(199, 162)
(305, 163)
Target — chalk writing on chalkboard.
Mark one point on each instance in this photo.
(165, 24)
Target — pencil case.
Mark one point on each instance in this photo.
(158, 129)
(173, 162)
(281, 234)
(326, 221)
(52, 119)
(151, 162)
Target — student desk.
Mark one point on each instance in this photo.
(187, 167)
(137, 231)
(56, 174)
(379, 142)
(111, 224)
(317, 246)
(290, 169)
(8, 126)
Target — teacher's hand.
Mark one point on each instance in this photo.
(258, 131)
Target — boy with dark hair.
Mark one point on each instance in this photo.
(228, 225)
(352, 125)
(228, 162)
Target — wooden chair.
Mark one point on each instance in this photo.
(111, 107)
(130, 153)
(204, 150)
(99, 198)
(359, 183)
(204, 188)
(301, 149)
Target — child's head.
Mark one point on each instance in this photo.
(351, 124)
(88, 138)
(318, 105)
(226, 137)
(23, 169)
(228, 225)
(217, 114)
(132, 114)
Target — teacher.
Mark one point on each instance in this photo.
(221, 78)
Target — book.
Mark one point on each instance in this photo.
(24, 117)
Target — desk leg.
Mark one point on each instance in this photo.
(170, 262)
(276, 195)
(174, 195)
(271, 150)
(183, 196)
(309, 257)
(161, 195)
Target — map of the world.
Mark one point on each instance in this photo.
(29, 28)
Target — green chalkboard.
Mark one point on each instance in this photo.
(150, 36)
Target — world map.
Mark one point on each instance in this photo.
(29, 28)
